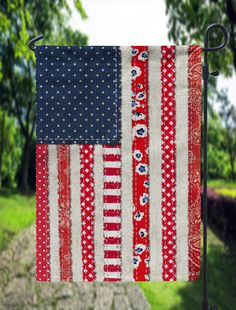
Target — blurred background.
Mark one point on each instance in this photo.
(110, 22)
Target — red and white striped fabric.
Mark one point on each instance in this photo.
(129, 211)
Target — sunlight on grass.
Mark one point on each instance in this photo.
(16, 213)
(162, 295)
(226, 188)
(227, 192)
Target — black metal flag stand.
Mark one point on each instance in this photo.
(206, 74)
(206, 49)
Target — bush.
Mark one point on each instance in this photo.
(222, 214)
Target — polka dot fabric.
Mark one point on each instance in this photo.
(168, 163)
(42, 212)
(78, 94)
(87, 211)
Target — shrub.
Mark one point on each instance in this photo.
(222, 214)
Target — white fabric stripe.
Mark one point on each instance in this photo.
(112, 206)
(112, 261)
(126, 171)
(112, 191)
(155, 163)
(114, 275)
(112, 247)
(75, 213)
(112, 164)
(112, 219)
(182, 162)
(98, 222)
(112, 178)
(111, 150)
(112, 233)
(53, 212)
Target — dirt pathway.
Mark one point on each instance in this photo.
(18, 289)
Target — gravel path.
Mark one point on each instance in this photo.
(18, 289)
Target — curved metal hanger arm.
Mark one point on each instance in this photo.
(207, 35)
(33, 41)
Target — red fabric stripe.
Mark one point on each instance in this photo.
(112, 240)
(42, 215)
(112, 254)
(112, 199)
(112, 212)
(112, 171)
(112, 226)
(112, 185)
(87, 210)
(194, 145)
(111, 157)
(63, 154)
(140, 143)
(112, 268)
(111, 280)
(111, 146)
(168, 163)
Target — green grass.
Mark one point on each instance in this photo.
(226, 188)
(188, 295)
(16, 213)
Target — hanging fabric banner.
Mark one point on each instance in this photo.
(118, 193)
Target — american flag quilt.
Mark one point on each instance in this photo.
(118, 163)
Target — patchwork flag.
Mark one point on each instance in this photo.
(118, 163)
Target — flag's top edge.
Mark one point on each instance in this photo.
(104, 46)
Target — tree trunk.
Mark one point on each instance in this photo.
(25, 162)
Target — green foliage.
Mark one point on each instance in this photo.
(218, 157)
(186, 295)
(10, 150)
(4, 22)
(218, 162)
(79, 6)
(188, 20)
(16, 213)
(228, 115)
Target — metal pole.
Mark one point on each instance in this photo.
(205, 305)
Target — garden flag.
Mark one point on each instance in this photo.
(118, 163)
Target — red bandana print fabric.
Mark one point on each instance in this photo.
(118, 163)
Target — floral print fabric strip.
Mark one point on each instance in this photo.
(140, 162)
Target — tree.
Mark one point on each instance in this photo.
(218, 166)
(228, 115)
(9, 150)
(188, 20)
(21, 20)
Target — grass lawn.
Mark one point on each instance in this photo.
(188, 295)
(226, 188)
(16, 212)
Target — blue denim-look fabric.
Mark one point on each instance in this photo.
(78, 94)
